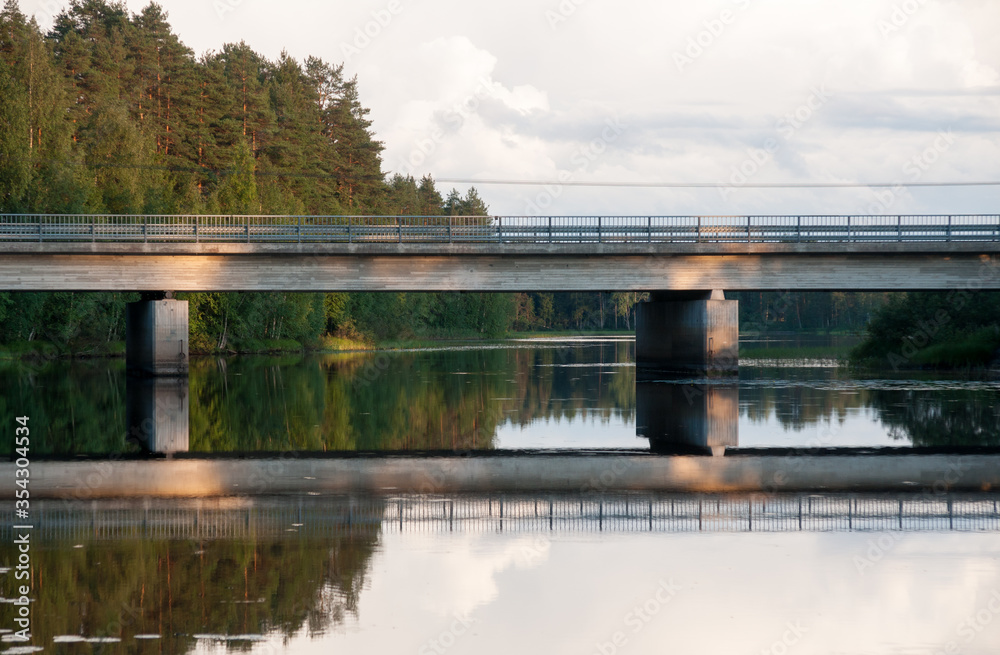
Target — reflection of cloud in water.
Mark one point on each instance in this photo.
(737, 594)
(466, 579)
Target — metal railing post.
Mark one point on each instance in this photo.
(748, 229)
(39, 228)
(145, 223)
(350, 220)
(949, 229)
(798, 229)
(649, 229)
(93, 229)
(848, 229)
(899, 228)
(300, 229)
(698, 233)
(600, 237)
(449, 228)
(499, 229)
(196, 228)
(399, 228)
(248, 228)
(550, 229)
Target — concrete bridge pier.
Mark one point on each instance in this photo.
(687, 332)
(156, 336)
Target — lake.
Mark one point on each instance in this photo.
(596, 573)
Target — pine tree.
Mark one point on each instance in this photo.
(214, 127)
(15, 153)
(238, 192)
(166, 80)
(431, 203)
(246, 73)
(359, 170)
(122, 160)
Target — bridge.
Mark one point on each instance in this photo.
(685, 261)
(498, 253)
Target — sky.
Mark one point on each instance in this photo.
(725, 94)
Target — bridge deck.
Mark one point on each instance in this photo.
(505, 254)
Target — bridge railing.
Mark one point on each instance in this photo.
(499, 229)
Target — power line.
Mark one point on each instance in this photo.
(500, 182)
(715, 185)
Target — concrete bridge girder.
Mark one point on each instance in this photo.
(318, 272)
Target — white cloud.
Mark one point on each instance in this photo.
(545, 89)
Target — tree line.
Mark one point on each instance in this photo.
(109, 112)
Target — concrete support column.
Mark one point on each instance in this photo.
(682, 331)
(156, 338)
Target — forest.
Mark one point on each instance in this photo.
(109, 112)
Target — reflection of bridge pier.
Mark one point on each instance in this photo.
(687, 331)
(688, 418)
(156, 413)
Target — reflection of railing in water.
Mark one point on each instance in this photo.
(311, 516)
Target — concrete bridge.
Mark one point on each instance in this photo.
(685, 261)
(501, 253)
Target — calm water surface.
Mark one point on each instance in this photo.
(540, 574)
(524, 394)
(293, 580)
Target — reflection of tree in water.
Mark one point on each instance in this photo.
(177, 589)
(924, 417)
(797, 407)
(71, 404)
(430, 400)
(939, 418)
(564, 383)
(448, 399)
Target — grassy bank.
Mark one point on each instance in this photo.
(977, 350)
(47, 350)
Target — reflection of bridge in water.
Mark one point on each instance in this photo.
(662, 513)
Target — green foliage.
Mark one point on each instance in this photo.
(950, 329)
(769, 311)
(15, 163)
(238, 192)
